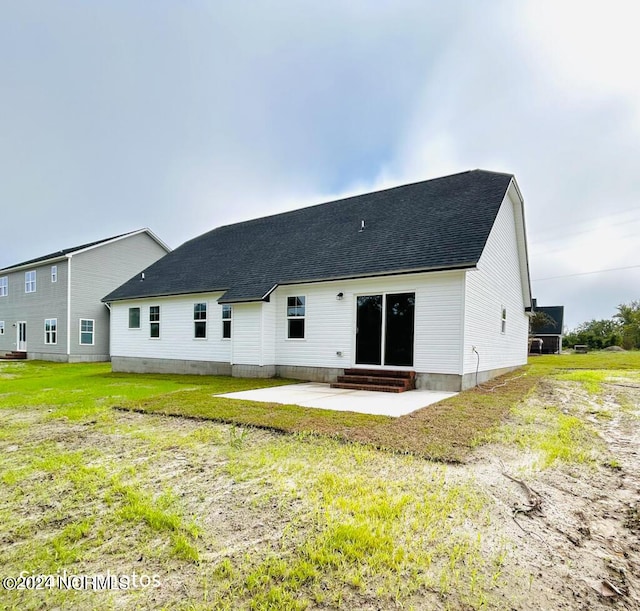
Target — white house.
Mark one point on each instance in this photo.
(430, 278)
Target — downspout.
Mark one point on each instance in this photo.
(69, 306)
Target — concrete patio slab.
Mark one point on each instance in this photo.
(314, 394)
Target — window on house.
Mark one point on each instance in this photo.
(1, 327)
(54, 273)
(51, 331)
(134, 318)
(154, 321)
(86, 332)
(200, 320)
(30, 282)
(226, 322)
(503, 325)
(295, 317)
(4, 286)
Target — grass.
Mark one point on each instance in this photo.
(445, 432)
(232, 516)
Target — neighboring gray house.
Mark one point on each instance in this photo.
(50, 306)
(428, 280)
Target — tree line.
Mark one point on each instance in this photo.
(622, 329)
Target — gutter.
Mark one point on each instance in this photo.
(69, 256)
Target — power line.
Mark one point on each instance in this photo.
(598, 271)
(570, 234)
(589, 224)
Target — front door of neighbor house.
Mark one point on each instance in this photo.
(385, 329)
(22, 337)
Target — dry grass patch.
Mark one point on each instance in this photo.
(446, 431)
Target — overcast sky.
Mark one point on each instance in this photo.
(185, 115)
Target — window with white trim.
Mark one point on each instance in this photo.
(503, 321)
(134, 318)
(86, 331)
(295, 317)
(4, 286)
(54, 273)
(30, 281)
(226, 322)
(1, 327)
(51, 331)
(200, 320)
(154, 322)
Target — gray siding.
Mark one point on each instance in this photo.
(49, 301)
(95, 273)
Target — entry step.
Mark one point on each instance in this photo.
(376, 380)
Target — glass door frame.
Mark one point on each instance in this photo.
(383, 294)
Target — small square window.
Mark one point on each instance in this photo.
(134, 318)
(1, 327)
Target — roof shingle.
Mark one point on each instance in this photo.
(436, 224)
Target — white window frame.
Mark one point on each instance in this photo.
(93, 332)
(227, 309)
(1, 327)
(51, 335)
(503, 319)
(154, 322)
(197, 320)
(30, 281)
(54, 273)
(302, 317)
(139, 318)
(4, 286)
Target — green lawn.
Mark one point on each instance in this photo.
(234, 517)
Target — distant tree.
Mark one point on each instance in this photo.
(538, 320)
(629, 319)
(596, 334)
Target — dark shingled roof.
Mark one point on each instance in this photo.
(62, 253)
(437, 224)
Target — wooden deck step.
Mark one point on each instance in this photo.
(371, 387)
(14, 356)
(377, 380)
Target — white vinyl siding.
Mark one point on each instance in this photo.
(495, 321)
(330, 322)
(177, 330)
(247, 334)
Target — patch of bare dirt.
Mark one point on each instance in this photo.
(579, 547)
